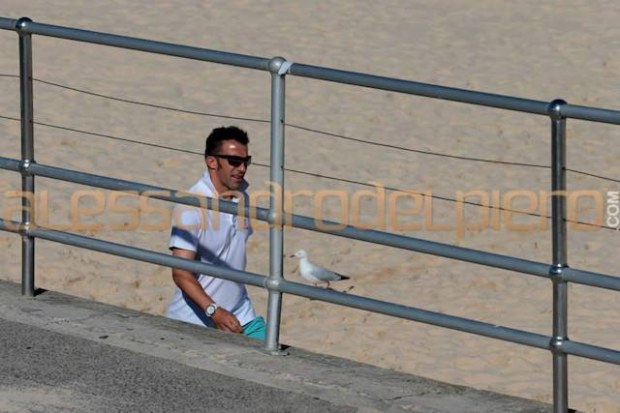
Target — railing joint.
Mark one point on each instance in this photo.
(272, 283)
(273, 218)
(554, 109)
(279, 65)
(556, 345)
(26, 228)
(24, 167)
(556, 273)
(22, 23)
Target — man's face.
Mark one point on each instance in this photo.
(228, 166)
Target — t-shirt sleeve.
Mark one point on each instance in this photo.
(186, 227)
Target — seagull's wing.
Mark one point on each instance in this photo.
(324, 274)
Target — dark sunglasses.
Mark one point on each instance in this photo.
(235, 161)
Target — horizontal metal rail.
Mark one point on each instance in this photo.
(125, 42)
(10, 164)
(427, 247)
(133, 253)
(592, 352)
(8, 24)
(420, 89)
(393, 240)
(454, 94)
(592, 279)
(315, 72)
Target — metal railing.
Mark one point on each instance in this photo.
(558, 271)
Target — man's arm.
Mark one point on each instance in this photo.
(186, 281)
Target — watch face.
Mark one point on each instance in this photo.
(211, 309)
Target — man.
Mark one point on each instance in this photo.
(216, 238)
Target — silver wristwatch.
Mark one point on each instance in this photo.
(211, 309)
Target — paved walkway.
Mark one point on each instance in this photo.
(63, 354)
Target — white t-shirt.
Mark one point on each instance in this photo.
(219, 239)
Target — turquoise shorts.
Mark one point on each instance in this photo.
(256, 328)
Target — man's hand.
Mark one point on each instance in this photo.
(224, 320)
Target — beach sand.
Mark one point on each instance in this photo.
(527, 49)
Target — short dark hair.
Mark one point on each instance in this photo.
(217, 135)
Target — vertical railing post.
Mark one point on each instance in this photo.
(559, 259)
(27, 149)
(276, 206)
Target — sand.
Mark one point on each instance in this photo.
(528, 49)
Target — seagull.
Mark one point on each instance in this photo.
(314, 273)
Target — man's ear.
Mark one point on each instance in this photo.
(211, 162)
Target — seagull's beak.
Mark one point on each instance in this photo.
(291, 256)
